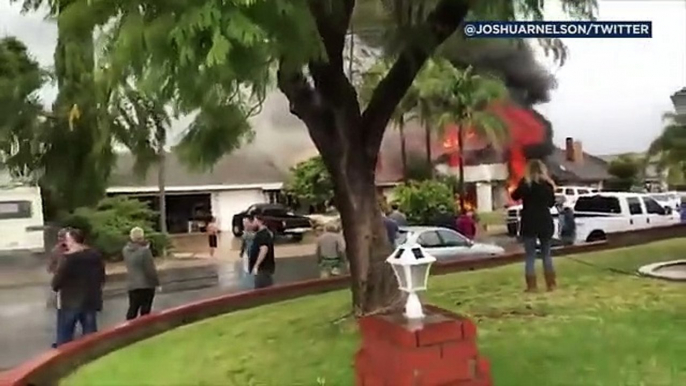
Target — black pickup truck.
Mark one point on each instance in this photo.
(279, 219)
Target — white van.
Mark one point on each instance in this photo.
(21, 219)
(572, 193)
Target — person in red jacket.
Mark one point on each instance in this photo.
(466, 225)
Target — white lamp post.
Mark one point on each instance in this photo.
(411, 265)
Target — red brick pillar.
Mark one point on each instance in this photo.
(439, 351)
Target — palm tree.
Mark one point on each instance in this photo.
(141, 122)
(464, 99)
(670, 146)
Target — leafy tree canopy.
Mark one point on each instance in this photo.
(625, 171)
(669, 148)
(311, 182)
(421, 201)
(20, 109)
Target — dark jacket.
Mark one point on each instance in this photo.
(391, 230)
(79, 280)
(537, 199)
(140, 267)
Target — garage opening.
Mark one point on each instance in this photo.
(186, 213)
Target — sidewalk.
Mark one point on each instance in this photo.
(22, 276)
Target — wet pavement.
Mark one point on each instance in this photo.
(27, 325)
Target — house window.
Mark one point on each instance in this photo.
(15, 209)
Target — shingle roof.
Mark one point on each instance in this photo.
(242, 167)
(592, 168)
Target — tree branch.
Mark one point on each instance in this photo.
(302, 97)
(439, 25)
(332, 26)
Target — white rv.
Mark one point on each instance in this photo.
(21, 219)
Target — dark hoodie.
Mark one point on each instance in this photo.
(140, 267)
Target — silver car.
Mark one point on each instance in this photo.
(444, 243)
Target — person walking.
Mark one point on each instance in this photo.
(54, 260)
(246, 245)
(330, 251)
(212, 235)
(466, 225)
(262, 264)
(141, 274)
(78, 281)
(567, 225)
(536, 191)
(397, 216)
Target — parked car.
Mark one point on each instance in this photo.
(604, 213)
(443, 243)
(278, 218)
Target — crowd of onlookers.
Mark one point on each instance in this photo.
(78, 278)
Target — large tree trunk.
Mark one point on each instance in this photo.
(349, 140)
(374, 287)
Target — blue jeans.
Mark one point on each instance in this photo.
(530, 253)
(67, 320)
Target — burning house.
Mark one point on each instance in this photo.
(491, 173)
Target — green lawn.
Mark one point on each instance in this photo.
(599, 328)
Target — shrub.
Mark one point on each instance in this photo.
(107, 225)
(310, 182)
(420, 201)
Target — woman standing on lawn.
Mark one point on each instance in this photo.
(537, 193)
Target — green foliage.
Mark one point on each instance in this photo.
(462, 98)
(107, 225)
(21, 129)
(140, 122)
(625, 171)
(669, 148)
(209, 58)
(310, 181)
(421, 201)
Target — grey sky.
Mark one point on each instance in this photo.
(611, 93)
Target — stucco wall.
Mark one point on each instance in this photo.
(226, 203)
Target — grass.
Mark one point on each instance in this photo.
(599, 329)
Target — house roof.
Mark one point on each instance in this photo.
(591, 168)
(240, 168)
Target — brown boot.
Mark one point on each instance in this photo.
(531, 283)
(550, 281)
